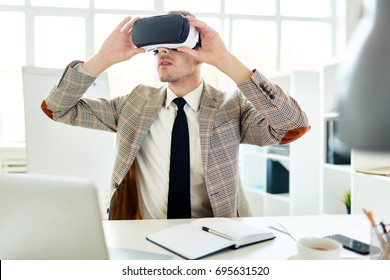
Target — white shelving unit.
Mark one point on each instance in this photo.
(13, 158)
(254, 177)
(335, 179)
(368, 191)
(302, 162)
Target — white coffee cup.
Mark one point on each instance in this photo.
(313, 248)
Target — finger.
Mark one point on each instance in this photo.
(127, 28)
(198, 24)
(135, 51)
(123, 23)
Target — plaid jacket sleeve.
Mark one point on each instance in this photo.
(64, 103)
(269, 116)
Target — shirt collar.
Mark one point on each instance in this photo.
(192, 98)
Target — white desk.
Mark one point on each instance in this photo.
(132, 235)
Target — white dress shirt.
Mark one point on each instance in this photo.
(153, 160)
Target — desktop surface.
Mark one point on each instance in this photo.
(132, 235)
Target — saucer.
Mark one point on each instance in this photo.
(294, 257)
(297, 257)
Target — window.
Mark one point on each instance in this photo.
(11, 2)
(271, 35)
(306, 8)
(256, 47)
(61, 3)
(58, 40)
(251, 7)
(124, 4)
(305, 45)
(198, 6)
(12, 57)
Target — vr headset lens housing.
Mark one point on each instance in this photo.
(169, 31)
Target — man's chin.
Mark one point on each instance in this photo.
(166, 79)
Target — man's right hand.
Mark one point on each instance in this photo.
(116, 48)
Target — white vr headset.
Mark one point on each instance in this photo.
(168, 31)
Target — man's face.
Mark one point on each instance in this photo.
(174, 66)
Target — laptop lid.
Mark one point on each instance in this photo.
(49, 217)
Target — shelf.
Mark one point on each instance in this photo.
(385, 179)
(371, 192)
(273, 156)
(277, 157)
(335, 179)
(338, 167)
(331, 115)
(335, 183)
(254, 154)
(302, 162)
(369, 159)
(13, 158)
(367, 191)
(273, 206)
(280, 196)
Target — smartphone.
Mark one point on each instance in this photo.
(351, 244)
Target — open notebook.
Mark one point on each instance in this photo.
(208, 235)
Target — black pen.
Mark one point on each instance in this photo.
(217, 233)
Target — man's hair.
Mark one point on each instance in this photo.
(183, 12)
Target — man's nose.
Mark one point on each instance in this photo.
(163, 50)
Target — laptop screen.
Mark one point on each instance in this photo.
(49, 217)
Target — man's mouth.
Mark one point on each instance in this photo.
(164, 63)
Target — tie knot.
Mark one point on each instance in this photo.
(180, 102)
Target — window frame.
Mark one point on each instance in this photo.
(335, 20)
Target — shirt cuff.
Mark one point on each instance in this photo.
(80, 69)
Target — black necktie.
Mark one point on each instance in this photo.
(179, 201)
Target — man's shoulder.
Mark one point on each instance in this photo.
(139, 95)
(223, 95)
(147, 91)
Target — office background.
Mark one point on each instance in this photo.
(272, 35)
(297, 43)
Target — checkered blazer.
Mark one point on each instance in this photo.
(257, 113)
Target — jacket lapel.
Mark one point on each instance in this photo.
(149, 113)
(209, 105)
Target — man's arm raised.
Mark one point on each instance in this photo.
(116, 48)
(214, 52)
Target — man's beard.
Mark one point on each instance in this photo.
(174, 78)
(178, 76)
(168, 78)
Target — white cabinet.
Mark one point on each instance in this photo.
(253, 168)
(368, 191)
(302, 162)
(13, 158)
(335, 179)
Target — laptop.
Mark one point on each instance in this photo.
(49, 217)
